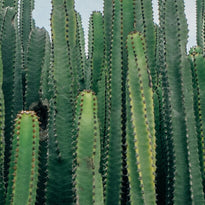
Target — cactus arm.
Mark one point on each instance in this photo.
(23, 172)
(141, 131)
(35, 56)
(60, 151)
(89, 189)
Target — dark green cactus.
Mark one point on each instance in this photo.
(200, 6)
(96, 49)
(198, 63)
(60, 141)
(35, 60)
(23, 171)
(87, 178)
(114, 159)
(2, 140)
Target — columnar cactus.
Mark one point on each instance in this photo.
(23, 170)
(87, 178)
(140, 124)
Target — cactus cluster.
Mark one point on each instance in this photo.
(122, 124)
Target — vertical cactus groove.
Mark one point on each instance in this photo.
(113, 183)
(60, 141)
(88, 181)
(23, 171)
(140, 124)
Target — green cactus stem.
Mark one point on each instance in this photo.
(96, 51)
(59, 187)
(198, 65)
(2, 140)
(183, 184)
(114, 132)
(140, 124)
(88, 180)
(200, 12)
(35, 60)
(23, 171)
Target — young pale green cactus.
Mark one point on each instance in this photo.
(23, 171)
(140, 124)
(87, 179)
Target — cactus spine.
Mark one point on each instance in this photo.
(23, 171)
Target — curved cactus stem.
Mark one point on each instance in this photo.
(23, 171)
(140, 124)
(88, 180)
(35, 58)
(96, 51)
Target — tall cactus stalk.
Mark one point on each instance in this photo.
(60, 142)
(182, 168)
(200, 12)
(2, 140)
(140, 124)
(23, 171)
(88, 180)
(197, 59)
(113, 180)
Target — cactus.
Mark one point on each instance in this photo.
(23, 171)
(60, 142)
(87, 179)
(140, 133)
(2, 140)
(197, 60)
(200, 6)
(150, 105)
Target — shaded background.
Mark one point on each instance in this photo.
(85, 7)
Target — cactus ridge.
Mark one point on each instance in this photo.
(24, 180)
